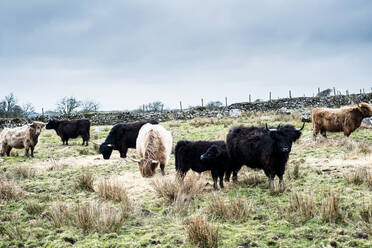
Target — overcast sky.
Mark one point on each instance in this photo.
(125, 53)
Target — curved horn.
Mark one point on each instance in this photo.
(135, 160)
(270, 129)
(303, 125)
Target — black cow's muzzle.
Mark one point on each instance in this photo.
(285, 149)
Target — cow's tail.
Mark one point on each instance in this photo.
(179, 146)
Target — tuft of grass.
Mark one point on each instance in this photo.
(293, 172)
(9, 190)
(368, 179)
(250, 179)
(85, 181)
(203, 121)
(176, 189)
(113, 190)
(95, 216)
(34, 208)
(303, 204)
(202, 234)
(90, 216)
(57, 165)
(364, 149)
(236, 209)
(14, 232)
(366, 212)
(330, 210)
(356, 177)
(23, 171)
(59, 213)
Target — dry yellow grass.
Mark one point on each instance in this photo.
(236, 209)
(331, 211)
(85, 181)
(110, 189)
(173, 189)
(303, 204)
(201, 233)
(9, 190)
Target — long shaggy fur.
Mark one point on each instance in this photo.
(26, 137)
(345, 120)
(154, 142)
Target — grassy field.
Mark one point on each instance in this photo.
(70, 196)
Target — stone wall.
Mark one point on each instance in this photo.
(235, 109)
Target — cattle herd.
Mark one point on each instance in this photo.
(263, 147)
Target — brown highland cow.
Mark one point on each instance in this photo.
(339, 120)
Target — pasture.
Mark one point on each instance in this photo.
(69, 196)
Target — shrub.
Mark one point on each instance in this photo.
(202, 234)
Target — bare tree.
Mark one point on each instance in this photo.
(28, 109)
(154, 106)
(68, 105)
(89, 106)
(9, 107)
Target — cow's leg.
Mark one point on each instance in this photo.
(66, 141)
(315, 132)
(323, 133)
(227, 175)
(221, 180)
(235, 176)
(162, 169)
(281, 183)
(8, 149)
(271, 182)
(32, 151)
(85, 140)
(123, 152)
(215, 177)
(26, 153)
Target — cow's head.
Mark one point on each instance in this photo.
(284, 136)
(146, 166)
(37, 126)
(52, 124)
(213, 153)
(365, 109)
(106, 149)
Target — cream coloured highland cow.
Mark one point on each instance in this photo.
(25, 137)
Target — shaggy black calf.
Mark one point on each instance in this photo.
(261, 148)
(67, 129)
(202, 156)
(121, 137)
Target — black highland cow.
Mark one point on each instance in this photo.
(70, 129)
(121, 137)
(202, 156)
(261, 148)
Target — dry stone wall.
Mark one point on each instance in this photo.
(234, 110)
